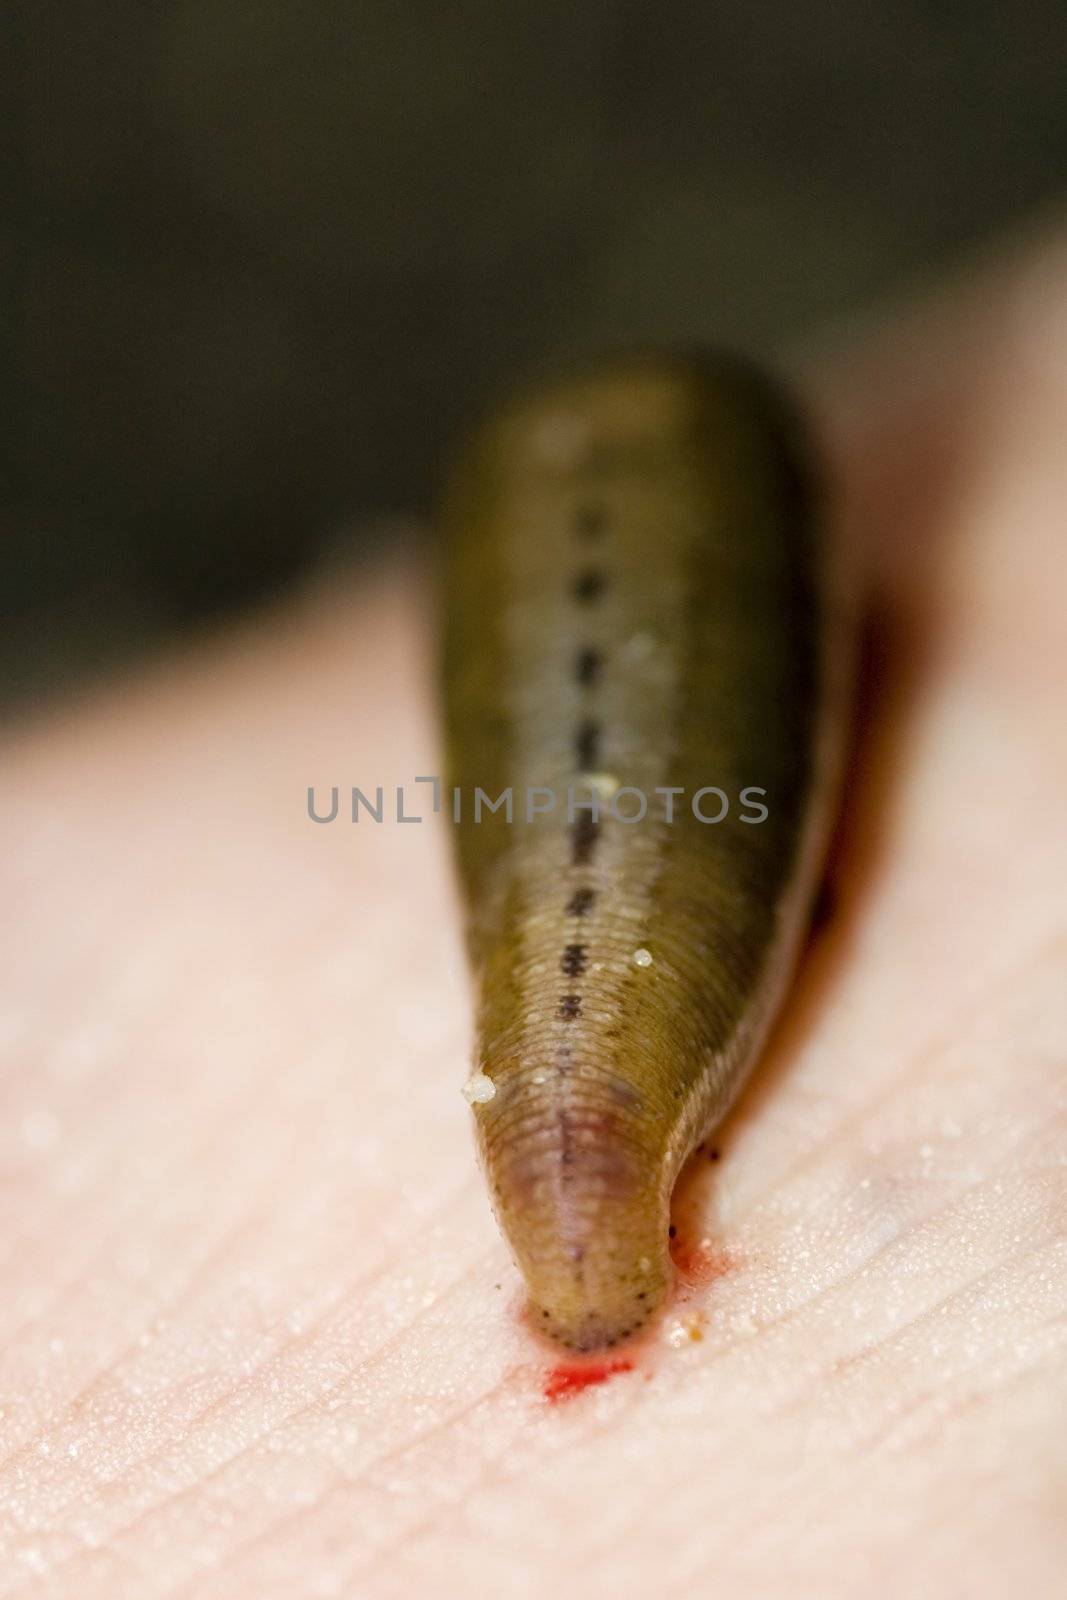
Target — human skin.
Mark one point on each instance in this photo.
(258, 1335)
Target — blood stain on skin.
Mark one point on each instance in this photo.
(701, 1262)
(570, 1378)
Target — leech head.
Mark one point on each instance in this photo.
(601, 1307)
(582, 1200)
(599, 1294)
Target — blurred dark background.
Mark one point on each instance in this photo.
(264, 256)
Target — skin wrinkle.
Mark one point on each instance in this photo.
(493, 1464)
(310, 1408)
(213, 1258)
(230, 1114)
(410, 1446)
(83, 1398)
(927, 1399)
(167, 1309)
(840, 1366)
(861, 1270)
(346, 1483)
(807, 1505)
(796, 1314)
(944, 1040)
(404, 1542)
(920, 1224)
(215, 1407)
(833, 1370)
(389, 1554)
(226, 1115)
(497, 1463)
(753, 1532)
(218, 1139)
(737, 1457)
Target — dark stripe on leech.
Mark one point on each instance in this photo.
(587, 667)
(585, 831)
(589, 586)
(580, 902)
(570, 1008)
(587, 744)
(573, 961)
(591, 520)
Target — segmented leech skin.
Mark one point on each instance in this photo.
(633, 600)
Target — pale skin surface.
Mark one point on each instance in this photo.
(258, 1335)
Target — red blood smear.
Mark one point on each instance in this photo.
(700, 1264)
(567, 1380)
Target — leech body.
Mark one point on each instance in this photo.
(633, 602)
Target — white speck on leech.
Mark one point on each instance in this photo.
(478, 1089)
(642, 958)
(639, 646)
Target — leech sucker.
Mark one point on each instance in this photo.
(637, 622)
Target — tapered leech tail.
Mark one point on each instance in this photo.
(634, 602)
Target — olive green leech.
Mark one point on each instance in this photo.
(633, 602)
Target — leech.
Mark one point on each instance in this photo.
(628, 972)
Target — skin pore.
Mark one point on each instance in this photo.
(258, 1334)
